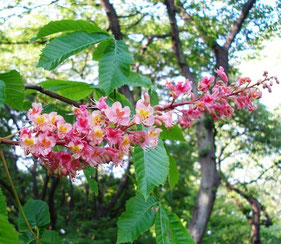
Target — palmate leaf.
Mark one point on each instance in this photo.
(151, 168)
(173, 176)
(169, 229)
(88, 172)
(63, 47)
(3, 206)
(114, 66)
(37, 214)
(14, 89)
(8, 234)
(173, 134)
(137, 218)
(2, 93)
(70, 89)
(67, 25)
(135, 79)
(50, 237)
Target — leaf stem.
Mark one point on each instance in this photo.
(15, 193)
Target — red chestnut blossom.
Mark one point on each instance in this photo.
(118, 115)
(144, 114)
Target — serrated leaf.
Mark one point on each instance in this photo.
(14, 89)
(3, 205)
(37, 214)
(173, 176)
(8, 234)
(67, 25)
(135, 79)
(92, 183)
(2, 93)
(114, 66)
(151, 168)
(162, 227)
(169, 229)
(99, 50)
(137, 218)
(50, 237)
(178, 233)
(154, 100)
(173, 134)
(63, 47)
(70, 89)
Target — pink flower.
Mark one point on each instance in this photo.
(166, 119)
(96, 135)
(153, 134)
(96, 156)
(180, 88)
(77, 148)
(41, 122)
(36, 109)
(113, 136)
(101, 104)
(62, 129)
(183, 121)
(125, 144)
(45, 144)
(117, 114)
(222, 74)
(144, 114)
(27, 143)
(139, 137)
(53, 119)
(205, 83)
(96, 118)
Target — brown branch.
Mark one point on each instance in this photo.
(52, 94)
(237, 25)
(9, 142)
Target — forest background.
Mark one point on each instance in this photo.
(240, 174)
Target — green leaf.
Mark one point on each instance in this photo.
(169, 229)
(50, 237)
(114, 66)
(37, 214)
(162, 227)
(8, 234)
(154, 100)
(173, 176)
(3, 206)
(63, 47)
(14, 89)
(67, 25)
(99, 50)
(70, 89)
(137, 218)
(173, 134)
(135, 79)
(2, 93)
(92, 183)
(151, 167)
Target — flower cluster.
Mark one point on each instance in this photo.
(104, 133)
(215, 97)
(99, 135)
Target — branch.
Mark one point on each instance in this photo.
(236, 27)
(52, 94)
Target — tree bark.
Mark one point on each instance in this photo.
(51, 201)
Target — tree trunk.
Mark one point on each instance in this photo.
(51, 201)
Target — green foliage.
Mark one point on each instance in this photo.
(2, 93)
(37, 214)
(50, 237)
(89, 176)
(173, 176)
(151, 168)
(169, 229)
(135, 79)
(154, 100)
(3, 206)
(63, 47)
(70, 89)
(14, 89)
(67, 25)
(173, 134)
(114, 66)
(8, 234)
(137, 218)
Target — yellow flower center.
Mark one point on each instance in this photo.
(76, 148)
(144, 113)
(152, 134)
(98, 133)
(97, 120)
(62, 129)
(29, 142)
(40, 120)
(126, 141)
(45, 142)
